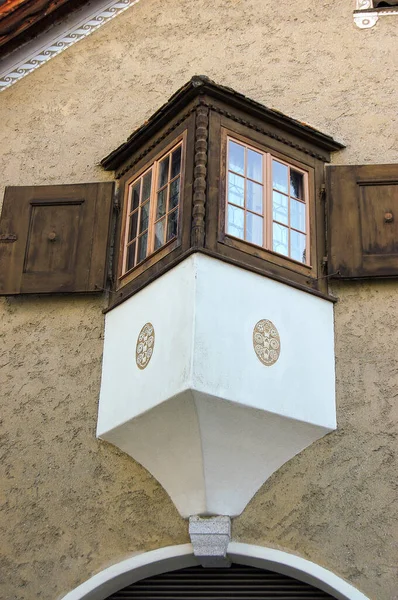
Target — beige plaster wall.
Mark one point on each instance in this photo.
(71, 505)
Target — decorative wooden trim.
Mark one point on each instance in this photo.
(200, 173)
(264, 131)
(154, 143)
(200, 90)
(366, 14)
(27, 59)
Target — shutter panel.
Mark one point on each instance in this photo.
(363, 220)
(237, 583)
(55, 238)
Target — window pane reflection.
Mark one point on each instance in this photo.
(161, 207)
(144, 218)
(142, 247)
(254, 197)
(280, 239)
(236, 158)
(174, 193)
(254, 165)
(297, 215)
(135, 195)
(133, 226)
(130, 256)
(172, 225)
(146, 186)
(298, 242)
(296, 184)
(236, 221)
(176, 162)
(254, 229)
(236, 189)
(163, 172)
(159, 233)
(280, 208)
(279, 176)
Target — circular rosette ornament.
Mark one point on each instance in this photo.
(145, 345)
(266, 342)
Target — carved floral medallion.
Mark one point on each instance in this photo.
(266, 342)
(145, 345)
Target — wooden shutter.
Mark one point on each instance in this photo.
(55, 238)
(363, 220)
(237, 583)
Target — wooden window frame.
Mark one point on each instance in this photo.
(125, 275)
(267, 198)
(249, 255)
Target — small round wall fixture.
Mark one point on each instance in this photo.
(266, 342)
(145, 346)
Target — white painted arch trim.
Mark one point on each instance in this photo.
(171, 558)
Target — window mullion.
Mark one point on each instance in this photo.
(126, 231)
(152, 209)
(268, 201)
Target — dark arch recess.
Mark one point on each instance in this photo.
(237, 583)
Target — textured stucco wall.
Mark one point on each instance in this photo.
(71, 505)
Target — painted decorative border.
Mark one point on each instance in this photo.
(30, 57)
(366, 16)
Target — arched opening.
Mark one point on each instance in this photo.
(175, 558)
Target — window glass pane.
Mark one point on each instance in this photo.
(236, 155)
(135, 196)
(176, 162)
(254, 165)
(279, 176)
(174, 193)
(172, 224)
(296, 184)
(163, 172)
(236, 220)
(133, 226)
(254, 197)
(280, 239)
(146, 186)
(161, 207)
(297, 241)
(236, 189)
(297, 215)
(159, 233)
(142, 245)
(130, 256)
(254, 229)
(280, 208)
(144, 218)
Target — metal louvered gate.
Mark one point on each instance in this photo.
(237, 583)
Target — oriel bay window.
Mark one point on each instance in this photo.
(267, 201)
(214, 172)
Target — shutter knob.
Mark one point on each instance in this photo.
(388, 217)
(52, 236)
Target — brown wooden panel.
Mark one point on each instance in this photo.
(61, 238)
(52, 239)
(363, 221)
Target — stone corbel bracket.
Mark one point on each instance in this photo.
(210, 538)
(366, 15)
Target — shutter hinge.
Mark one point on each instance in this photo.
(8, 238)
(116, 203)
(322, 192)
